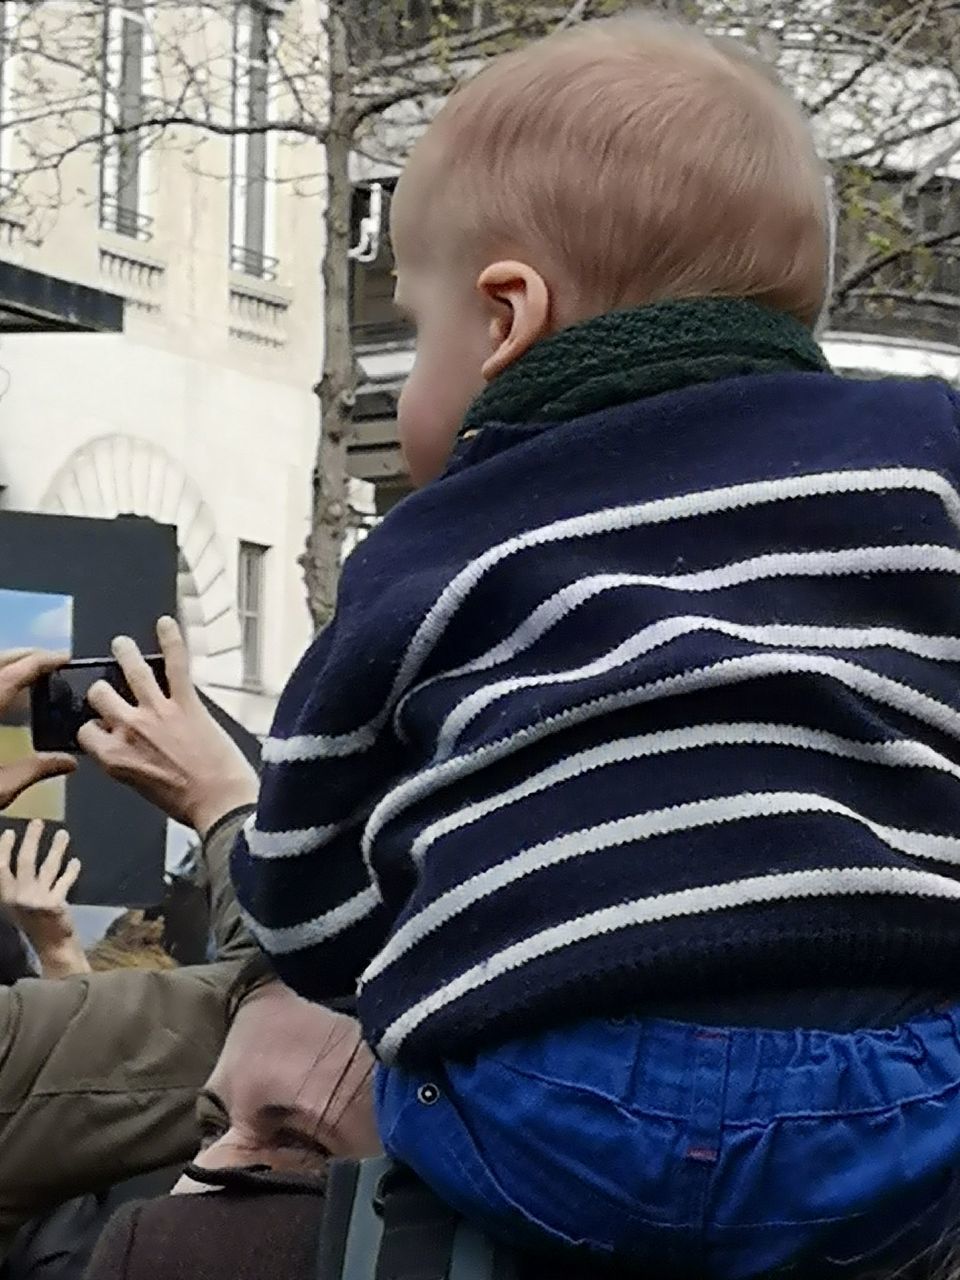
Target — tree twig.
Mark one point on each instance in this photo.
(857, 276)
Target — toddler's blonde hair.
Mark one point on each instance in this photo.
(630, 160)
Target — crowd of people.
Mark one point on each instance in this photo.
(109, 1076)
(601, 868)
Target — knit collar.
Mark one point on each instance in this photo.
(624, 356)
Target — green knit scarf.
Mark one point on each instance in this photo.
(626, 355)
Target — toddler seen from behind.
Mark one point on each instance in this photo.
(623, 785)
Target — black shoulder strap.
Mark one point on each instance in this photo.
(381, 1222)
(337, 1213)
(418, 1230)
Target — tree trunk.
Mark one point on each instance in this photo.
(336, 388)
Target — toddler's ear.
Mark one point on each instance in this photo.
(519, 302)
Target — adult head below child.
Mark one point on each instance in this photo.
(291, 1090)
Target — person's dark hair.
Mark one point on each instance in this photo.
(254, 973)
(15, 962)
(257, 972)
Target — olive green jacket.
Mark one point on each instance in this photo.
(99, 1074)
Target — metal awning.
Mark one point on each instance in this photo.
(31, 302)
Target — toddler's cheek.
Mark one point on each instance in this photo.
(428, 425)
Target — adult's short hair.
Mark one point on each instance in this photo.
(257, 972)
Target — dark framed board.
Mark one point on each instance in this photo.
(70, 582)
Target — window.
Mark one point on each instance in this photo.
(250, 609)
(121, 184)
(250, 190)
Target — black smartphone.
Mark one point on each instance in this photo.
(58, 702)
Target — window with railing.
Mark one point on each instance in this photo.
(379, 26)
(250, 583)
(122, 157)
(373, 317)
(251, 193)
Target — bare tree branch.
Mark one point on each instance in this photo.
(909, 297)
(573, 15)
(935, 165)
(892, 141)
(858, 275)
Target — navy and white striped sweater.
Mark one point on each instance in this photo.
(664, 699)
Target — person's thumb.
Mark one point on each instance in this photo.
(16, 777)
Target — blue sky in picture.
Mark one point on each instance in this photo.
(35, 620)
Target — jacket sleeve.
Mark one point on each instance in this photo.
(99, 1074)
(233, 942)
(99, 1077)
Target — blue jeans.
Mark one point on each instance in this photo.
(718, 1152)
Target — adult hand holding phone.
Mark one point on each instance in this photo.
(169, 749)
(19, 669)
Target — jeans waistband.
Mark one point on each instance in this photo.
(812, 1072)
(648, 1063)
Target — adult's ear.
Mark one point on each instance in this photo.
(519, 301)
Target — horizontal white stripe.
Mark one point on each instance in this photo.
(666, 630)
(730, 671)
(287, 844)
(592, 524)
(299, 841)
(304, 747)
(937, 648)
(896, 753)
(716, 811)
(829, 882)
(551, 612)
(548, 614)
(298, 937)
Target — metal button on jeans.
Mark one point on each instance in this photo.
(428, 1094)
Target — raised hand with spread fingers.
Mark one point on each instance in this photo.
(36, 897)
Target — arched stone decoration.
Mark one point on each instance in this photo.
(116, 475)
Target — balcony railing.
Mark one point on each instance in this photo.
(253, 262)
(124, 221)
(381, 332)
